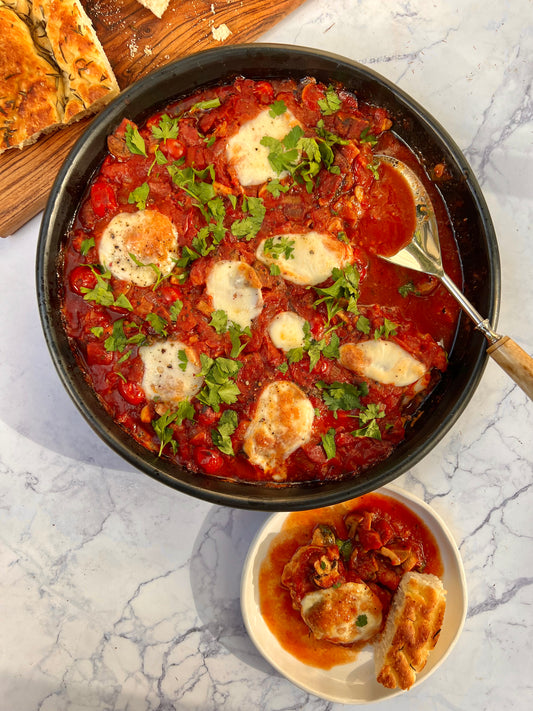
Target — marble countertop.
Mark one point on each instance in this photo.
(119, 593)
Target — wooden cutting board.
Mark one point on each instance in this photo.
(136, 42)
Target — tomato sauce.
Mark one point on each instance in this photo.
(341, 191)
(285, 622)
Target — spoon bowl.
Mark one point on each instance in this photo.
(423, 254)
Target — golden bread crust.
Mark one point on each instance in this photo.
(28, 95)
(412, 630)
(53, 69)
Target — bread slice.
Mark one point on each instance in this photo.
(158, 7)
(411, 631)
(53, 69)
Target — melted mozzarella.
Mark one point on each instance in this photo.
(149, 236)
(287, 330)
(314, 256)
(245, 152)
(164, 379)
(383, 361)
(282, 422)
(336, 613)
(235, 288)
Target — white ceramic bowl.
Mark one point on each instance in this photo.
(354, 683)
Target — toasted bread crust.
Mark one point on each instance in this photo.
(412, 630)
(53, 69)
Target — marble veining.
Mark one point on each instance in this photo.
(117, 593)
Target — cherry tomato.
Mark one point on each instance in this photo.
(264, 91)
(173, 148)
(82, 277)
(311, 94)
(102, 198)
(208, 417)
(171, 293)
(97, 354)
(131, 392)
(208, 459)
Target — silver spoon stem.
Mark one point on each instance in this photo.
(482, 324)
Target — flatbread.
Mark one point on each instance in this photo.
(53, 69)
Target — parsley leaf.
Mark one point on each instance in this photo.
(342, 396)
(183, 360)
(101, 293)
(162, 426)
(205, 105)
(219, 321)
(331, 103)
(139, 196)
(227, 425)
(219, 385)
(408, 288)
(368, 426)
(118, 340)
(280, 246)
(387, 329)
(167, 128)
(277, 108)
(249, 226)
(175, 310)
(367, 137)
(328, 442)
(361, 621)
(345, 287)
(275, 188)
(157, 323)
(134, 140)
(86, 245)
(363, 324)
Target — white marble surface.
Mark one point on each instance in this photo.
(118, 593)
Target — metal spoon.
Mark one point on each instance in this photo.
(423, 255)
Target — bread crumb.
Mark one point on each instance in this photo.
(220, 33)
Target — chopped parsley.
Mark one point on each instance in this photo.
(345, 288)
(368, 426)
(183, 360)
(314, 349)
(101, 293)
(277, 108)
(331, 103)
(175, 310)
(361, 621)
(157, 323)
(363, 324)
(328, 443)
(342, 396)
(162, 426)
(387, 329)
(86, 245)
(219, 386)
(227, 425)
(367, 137)
(222, 324)
(250, 225)
(281, 246)
(167, 128)
(205, 105)
(275, 188)
(408, 288)
(139, 196)
(134, 140)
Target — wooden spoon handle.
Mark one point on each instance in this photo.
(515, 361)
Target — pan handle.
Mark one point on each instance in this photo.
(515, 361)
